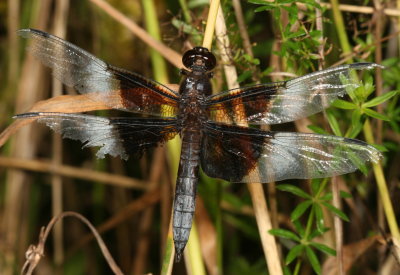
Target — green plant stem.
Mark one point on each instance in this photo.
(309, 224)
(157, 61)
(185, 10)
(297, 267)
(382, 187)
(341, 30)
(160, 75)
(312, 213)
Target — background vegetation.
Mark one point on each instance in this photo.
(130, 202)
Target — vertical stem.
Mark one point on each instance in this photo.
(338, 226)
(60, 26)
(212, 17)
(255, 189)
(157, 61)
(341, 30)
(160, 74)
(381, 182)
(186, 11)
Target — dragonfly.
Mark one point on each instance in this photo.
(221, 133)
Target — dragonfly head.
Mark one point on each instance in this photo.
(199, 58)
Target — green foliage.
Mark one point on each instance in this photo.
(313, 204)
(299, 41)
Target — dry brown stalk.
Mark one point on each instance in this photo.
(255, 189)
(169, 54)
(73, 172)
(60, 29)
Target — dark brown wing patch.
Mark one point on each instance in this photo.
(229, 154)
(284, 101)
(121, 137)
(228, 107)
(233, 153)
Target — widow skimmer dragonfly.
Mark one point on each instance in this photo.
(211, 126)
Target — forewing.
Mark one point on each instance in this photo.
(115, 136)
(117, 88)
(234, 153)
(281, 102)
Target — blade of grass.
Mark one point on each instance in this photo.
(160, 74)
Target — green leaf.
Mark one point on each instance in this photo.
(380, 147)
(299, 228)
(333, 123)
(312, 257)
(345, 195)
(380, 99)
(336, 211)
(186, 28)
(355, 130)
(319, 217)
(324, 248)
(244, 76)
(355, 117)
(296, 34)
(294, 253)
(263, 8)
(294, 190)
(283, 233)
(316, 233)
(327, 197)
(342, 104)
(317, 130)
(315, 185)
(368, 85)
(300, 209)
(359, 92)
(375, 114)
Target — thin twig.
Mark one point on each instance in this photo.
(245, 37)
(35, 253)
(73, 172)
(169, 54)
(353, 8)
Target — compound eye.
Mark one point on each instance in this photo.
(199, 56)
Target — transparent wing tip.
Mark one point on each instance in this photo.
(365, 66)
(26, 32)
(376, 155)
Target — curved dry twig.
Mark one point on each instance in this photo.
(35, 253)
